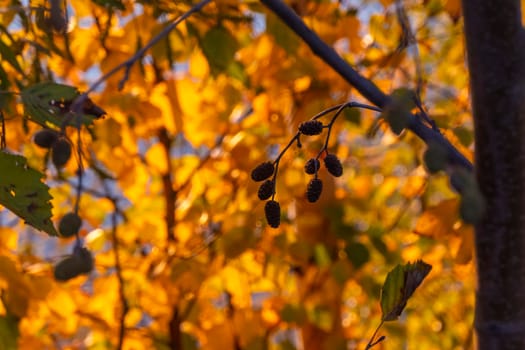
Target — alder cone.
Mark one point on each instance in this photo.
(84, 257)
(314, 189)
(311, 127)
(61, 152)
(266, 190)
(262, 171)
(69, 225)
(272, 211)
(45, 138)
(312, 166)
(81, 262)
(333, 165)
(66, 269)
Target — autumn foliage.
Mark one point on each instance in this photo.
(219, 191)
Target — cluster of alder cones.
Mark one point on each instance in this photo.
(265, 170)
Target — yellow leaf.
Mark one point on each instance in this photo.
(439, 220)
(199, 67)
(164, 97)
(466, 247)
(413, 186)
(220, 337)
(8, 238)
(453, 7)
(156, 158)
(85, 46)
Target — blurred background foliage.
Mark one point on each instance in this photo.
(167, 179)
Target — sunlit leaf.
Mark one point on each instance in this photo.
(22, 192)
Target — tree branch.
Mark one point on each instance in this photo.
(367, 88)
(170, 195)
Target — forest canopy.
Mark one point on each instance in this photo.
(130, 218)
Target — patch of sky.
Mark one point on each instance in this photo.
(365, 9)
(258, 22)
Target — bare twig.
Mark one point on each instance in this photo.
(120, 278)
(3, 144)
(367, 88)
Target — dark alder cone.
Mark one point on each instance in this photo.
(69, 225)
(312, 166)
(314, 189)
(266, 190)
(66, 269)
(272, 210)
(81, 262)
(61, 152)
(45, 138)
(262, 171)
(85, 259)
(311, 127)
(333, 165)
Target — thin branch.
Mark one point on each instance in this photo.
(138, 55)
(374, 342)
(3, 144)
(170, 195)
(367, 88)
(120, 278)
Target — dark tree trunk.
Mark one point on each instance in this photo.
(495, 43)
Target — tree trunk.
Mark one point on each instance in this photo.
(495, 41)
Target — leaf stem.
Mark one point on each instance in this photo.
(372, 343)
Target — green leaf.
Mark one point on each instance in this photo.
(357, 253)
(111, 4)
(46, 104)
(435, 157)
(236, 70)
(397, 112)
(219, 47)
(4, 85)
(8, 333)
(352, 115)
(23, 192)
(472, 206)
(321, 255)
(9, 56)
(283, 36)
(294, 314)
(399, 286)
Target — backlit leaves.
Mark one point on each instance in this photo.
(228, 87)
